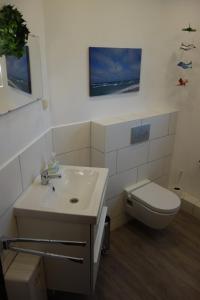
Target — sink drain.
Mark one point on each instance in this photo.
(74, 200)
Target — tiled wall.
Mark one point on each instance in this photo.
(128, 164)
(71, 144)
(106, 145)
(17, 174)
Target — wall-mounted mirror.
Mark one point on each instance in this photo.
(21, 79)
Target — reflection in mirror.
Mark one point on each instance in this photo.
(21, 79)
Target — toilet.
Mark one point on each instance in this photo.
(151, 204)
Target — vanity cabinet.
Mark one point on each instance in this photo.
(46, 213)
(64, 275)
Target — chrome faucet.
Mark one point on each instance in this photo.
(45, 177)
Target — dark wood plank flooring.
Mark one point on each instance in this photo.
(144, 264)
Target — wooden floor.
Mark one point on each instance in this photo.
(144, 264)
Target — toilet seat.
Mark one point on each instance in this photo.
(157, 198)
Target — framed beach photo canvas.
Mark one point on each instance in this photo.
(18, 72)
(114, 70)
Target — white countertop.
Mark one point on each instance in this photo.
(85, 183)
(133, 116)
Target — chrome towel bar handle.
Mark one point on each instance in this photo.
(6, 244)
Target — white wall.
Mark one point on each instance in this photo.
(70, 28)
(20, 127)
(131, 163)
(73, 26)
(187, 146)
(155, 26)
(71, 144)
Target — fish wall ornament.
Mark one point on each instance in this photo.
(189, 29)
(183, 62)
(182, 82)
(184, 65)
(187, 47)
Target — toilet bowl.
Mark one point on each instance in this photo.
(151, 204)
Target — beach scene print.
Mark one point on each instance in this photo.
(114, 70)
(18, 72)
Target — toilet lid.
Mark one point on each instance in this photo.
(157, 198)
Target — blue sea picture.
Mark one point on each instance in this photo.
(114, 70)
(18, 72)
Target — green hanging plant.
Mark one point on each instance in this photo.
(13, 32)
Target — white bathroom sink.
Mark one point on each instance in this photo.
(76, 196)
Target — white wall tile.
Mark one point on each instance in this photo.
(161, 147)
(154, 169)
(173, 122)
(19, 128)
(159, 125)
(97, 158)
(75, 158)
(48, 145)
(163, 181)
(111, 162)
(151, 170)
(107, 138)
(98, 136)
(119, 221)
(32, 161)
(10, 185)
(104, 160)
(71, 137)
(167, 165)
(117, 183)
(132, 156)
(8, 225)
(119, 135)
(116, 205)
